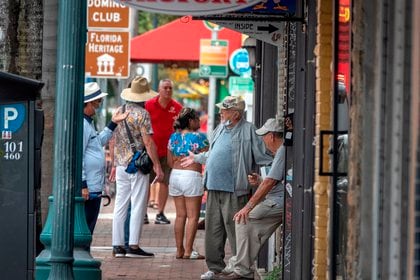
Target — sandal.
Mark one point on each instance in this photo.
(194, 256)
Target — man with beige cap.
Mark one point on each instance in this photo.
(234, 151)
(133, 187)
(262, 215)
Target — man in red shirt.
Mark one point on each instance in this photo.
(163, 111)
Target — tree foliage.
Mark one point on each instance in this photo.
(149, 21)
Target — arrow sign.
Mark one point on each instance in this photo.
(270, 28)
(269, 32)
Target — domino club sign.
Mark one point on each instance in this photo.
(189, 7)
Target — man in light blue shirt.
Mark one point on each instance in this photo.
(260, 217)
(93, 168)
(234, 152)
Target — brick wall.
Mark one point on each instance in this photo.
(324, 54)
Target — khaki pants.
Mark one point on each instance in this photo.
(263, 221)
(220, 208)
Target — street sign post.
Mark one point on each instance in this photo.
(108, 40)
(241, 85)
(267, 31)
(239, 62)
(107, 54)
(107, 14)
(213, 58)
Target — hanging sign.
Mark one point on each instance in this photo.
(267, 31)
(189, 7)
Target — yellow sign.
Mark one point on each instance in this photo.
(214, 55)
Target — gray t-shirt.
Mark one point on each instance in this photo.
(277, 173)
(219, 165)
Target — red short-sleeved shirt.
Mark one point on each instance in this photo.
(162, 122)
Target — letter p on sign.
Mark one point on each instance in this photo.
(10, 114)
(12, 117)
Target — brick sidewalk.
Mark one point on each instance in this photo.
(158, 239)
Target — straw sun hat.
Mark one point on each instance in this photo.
(139, 91)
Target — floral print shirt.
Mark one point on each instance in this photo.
(137, 119)
(180, 143)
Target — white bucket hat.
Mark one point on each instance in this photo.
(139, 91)
(93, 92)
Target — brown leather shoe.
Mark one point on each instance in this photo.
(229, 276)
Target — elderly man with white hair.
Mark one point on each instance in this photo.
(262, 215)
(234, 151)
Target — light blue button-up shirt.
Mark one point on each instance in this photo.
(93, 170)
(247, 151)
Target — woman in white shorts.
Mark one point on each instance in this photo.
(185, 184)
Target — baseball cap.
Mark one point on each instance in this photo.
(271, 125)
(232, 102)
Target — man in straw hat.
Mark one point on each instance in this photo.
(93, 169)
(133, 188)
(262, 215)
(163, 111)
(234, 151)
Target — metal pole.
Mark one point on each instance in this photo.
(67, 155)
(212, 96)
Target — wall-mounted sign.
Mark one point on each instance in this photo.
(189, 7)
(279, 7)
(107, 54)
(107, 14)
(239, 62)
(214, 56)
(267, 31)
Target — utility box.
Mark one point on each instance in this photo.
(21, 130)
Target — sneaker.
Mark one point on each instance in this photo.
(209, 275)
(138, 253)
(161, 219)
(118, 252)
(146, 220)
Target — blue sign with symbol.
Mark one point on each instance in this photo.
(239, 61)
(12, 117)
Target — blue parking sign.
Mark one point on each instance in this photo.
(12, 117)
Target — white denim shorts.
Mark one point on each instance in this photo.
(186, 183)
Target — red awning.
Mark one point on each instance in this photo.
(177, 41)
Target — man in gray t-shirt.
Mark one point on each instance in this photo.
(262, 215)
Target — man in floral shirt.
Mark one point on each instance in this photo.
(133, 188)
